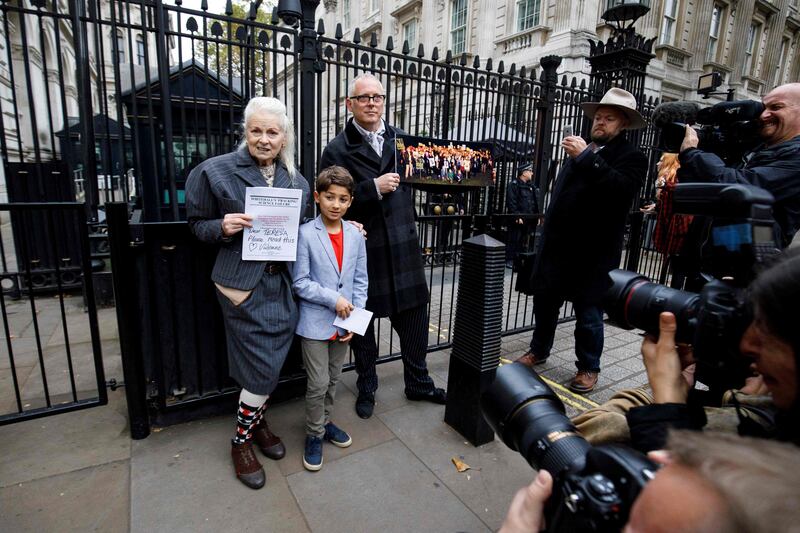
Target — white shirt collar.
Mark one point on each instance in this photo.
(365, 132)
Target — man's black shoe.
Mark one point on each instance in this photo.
(434, 396)
(365, 404)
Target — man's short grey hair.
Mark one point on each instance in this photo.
(274, 107)
(757, 479)
(351, 89)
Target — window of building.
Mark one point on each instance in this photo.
(458, 26)
(120, 48)
(670, 22)
(346, 14)
(713, 32)
(750, 49)
(400, 118)
(140, 50)
(374, 5)
(410, 33)
(785, 64)
(528, 13)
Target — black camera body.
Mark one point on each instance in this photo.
(740, 238)
(712, 321)
(593, 487)
(728, 129)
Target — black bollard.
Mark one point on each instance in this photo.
(476, 336)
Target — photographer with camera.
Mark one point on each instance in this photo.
(720, 482)
(772, 341)
(708, 483)
(774, 165)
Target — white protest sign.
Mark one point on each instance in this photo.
(276, 219)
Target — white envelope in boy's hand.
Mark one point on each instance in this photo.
(357, 322)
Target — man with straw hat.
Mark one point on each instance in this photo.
(583, 228)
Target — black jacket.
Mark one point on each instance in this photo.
(394, 260)
(775, 168)
(521, 198)
(585, 221)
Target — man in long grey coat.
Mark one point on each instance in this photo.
(397, 285)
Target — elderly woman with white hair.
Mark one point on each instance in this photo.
(259, 312)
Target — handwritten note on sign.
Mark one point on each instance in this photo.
(276, 218)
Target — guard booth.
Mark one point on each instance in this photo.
(113, 153)
(203, 106)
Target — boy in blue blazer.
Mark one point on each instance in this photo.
(330, 278)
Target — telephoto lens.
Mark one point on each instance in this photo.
(633, 301)
(530, 419)
(593, 488)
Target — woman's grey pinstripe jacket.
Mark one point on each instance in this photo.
(217, 187)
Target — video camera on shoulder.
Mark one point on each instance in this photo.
(740, 238)
(728, 129)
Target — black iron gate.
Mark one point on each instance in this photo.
(53, 358)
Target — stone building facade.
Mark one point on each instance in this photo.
(754, 44)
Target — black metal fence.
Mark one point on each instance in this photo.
(53, 357)
(123, 99)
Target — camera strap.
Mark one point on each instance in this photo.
(748, 427)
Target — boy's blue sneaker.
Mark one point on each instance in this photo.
(312, 457)
(337, 436)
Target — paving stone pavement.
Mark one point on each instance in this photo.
(81, 472)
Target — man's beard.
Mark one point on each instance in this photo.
(601, 138)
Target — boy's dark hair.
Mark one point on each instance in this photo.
(335, 175)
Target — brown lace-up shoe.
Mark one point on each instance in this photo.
(584, 381)
(248, 469)
(270, 444)
(530, 359)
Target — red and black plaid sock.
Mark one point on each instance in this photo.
(258, 416)
(245, 420)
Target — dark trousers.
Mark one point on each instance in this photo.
(517, 240)
(588, 329)
(412, 328)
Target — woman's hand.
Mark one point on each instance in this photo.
(233, 223)
(343, 307)
(664, 365)
(346, 338)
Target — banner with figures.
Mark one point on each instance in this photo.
(427, 161)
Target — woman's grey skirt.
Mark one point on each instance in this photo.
(259, 332)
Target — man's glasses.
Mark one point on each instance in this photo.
(364, 98)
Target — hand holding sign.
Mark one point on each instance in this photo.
(275, 220)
